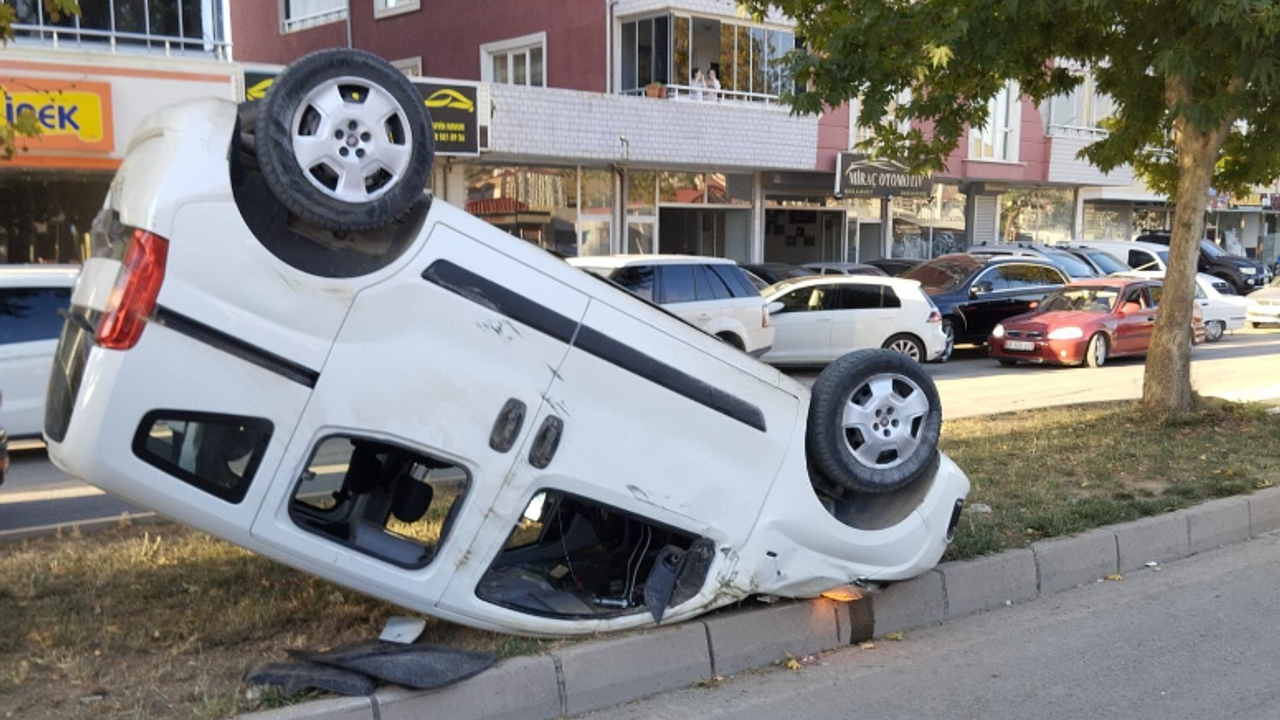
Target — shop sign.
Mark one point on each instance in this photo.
(454, 116)
(453, 109)
(72, 115)
(859, 176)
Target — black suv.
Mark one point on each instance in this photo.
(974, 292)
(1243, 274)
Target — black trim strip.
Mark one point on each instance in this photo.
(628, 358)
(521, 309)
(499, 299)
(234, 346)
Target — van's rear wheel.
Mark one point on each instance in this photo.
(344, 141)
(874, 421)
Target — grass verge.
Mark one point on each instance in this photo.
(162, 621)
(1058, 471)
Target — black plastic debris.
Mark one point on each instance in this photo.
(294, 677)
(420, 667)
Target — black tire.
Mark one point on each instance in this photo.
(841, 454)
(401, 142)
(1099, 349)
(948, 329)
(1006, 362)
(1214, 330)
(906, 344)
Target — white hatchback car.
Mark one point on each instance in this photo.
(712, 294)
(818, 319)
(1221, 308)
(433, 412)
(31, 300)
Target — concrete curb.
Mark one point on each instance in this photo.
(601, 674)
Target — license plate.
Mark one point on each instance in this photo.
(1019, 345)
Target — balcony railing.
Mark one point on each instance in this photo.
(116, 41)
(322, 17)
(688, 93)
(1080, 131)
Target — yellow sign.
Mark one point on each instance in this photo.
(446, 98)
(71, 115)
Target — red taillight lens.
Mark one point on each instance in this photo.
(134, 297)
(935, 317)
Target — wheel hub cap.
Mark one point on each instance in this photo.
(883, 420)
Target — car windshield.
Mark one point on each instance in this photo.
(1107, 262)
(1080, 299)
(1212, 250)
(1072, 265)
(944, 274)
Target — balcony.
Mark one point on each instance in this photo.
(672, 50)
(191, 28)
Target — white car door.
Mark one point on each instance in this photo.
(860, 321)
(29, 328)
(802, 328)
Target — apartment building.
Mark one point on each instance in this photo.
(89, 81)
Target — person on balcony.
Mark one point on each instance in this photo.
(697, 85)
(713, 86)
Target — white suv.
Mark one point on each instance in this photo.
(712, 294)
(31, 298)
(818, 319)
(428, 410)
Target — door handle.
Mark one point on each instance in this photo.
(823, 320)
(704, 316)
(1204, 303)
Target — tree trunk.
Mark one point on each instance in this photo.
(1166, 386)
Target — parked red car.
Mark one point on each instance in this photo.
(1085, 323)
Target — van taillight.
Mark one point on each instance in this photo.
(134, 297)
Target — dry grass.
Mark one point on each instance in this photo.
(164, 621)
(1059, 471)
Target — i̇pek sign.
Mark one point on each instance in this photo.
(71, 115)
(858, 176)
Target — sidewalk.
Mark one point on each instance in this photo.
(597, 675)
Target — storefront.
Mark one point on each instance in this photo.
(87, 105)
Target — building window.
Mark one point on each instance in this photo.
(999, 139)
(391, 8)
(156, 25)
(859, 134)
(303, 14)
(1082, 109)
(409, 66)
(748, 61)
(518, 61)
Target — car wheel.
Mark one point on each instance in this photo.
(874, 421)
(1214, 330)
(344, 140)
(949, 330)
(1006, 362)
(906, 344)
(1095, 356)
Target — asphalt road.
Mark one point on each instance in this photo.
(1198, 639)
(1243, 366)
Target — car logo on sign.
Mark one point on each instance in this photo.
(446, 98)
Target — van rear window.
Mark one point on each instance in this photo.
(31, 314)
